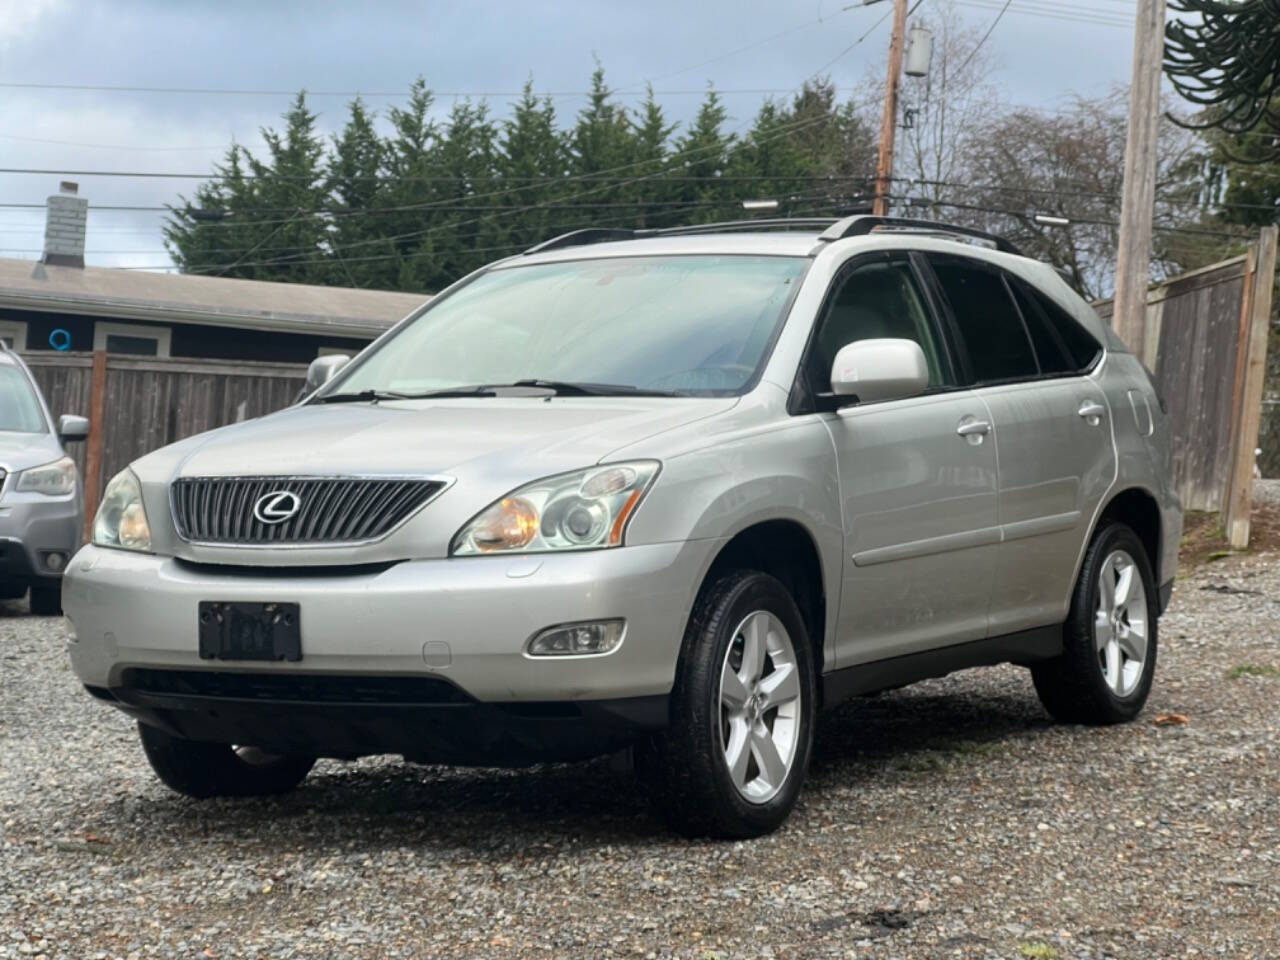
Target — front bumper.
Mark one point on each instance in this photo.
(462, 621)
(30, 530)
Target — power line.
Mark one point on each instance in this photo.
(1065, 14)
(458, 94)
(733, 53)
(991, 29)
(110, 146)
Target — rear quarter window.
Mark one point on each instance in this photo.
(1080, 345)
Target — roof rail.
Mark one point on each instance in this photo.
(575, 238)
(722, 226)
(861, 225)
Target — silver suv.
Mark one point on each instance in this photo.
(41, 513)
(668, 492)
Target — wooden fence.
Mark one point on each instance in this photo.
(137, 404)
(1206, 343)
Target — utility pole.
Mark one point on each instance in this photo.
(889, 120)
(1137, 205)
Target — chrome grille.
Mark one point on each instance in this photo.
(330, 509)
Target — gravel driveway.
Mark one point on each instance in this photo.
(950, 819)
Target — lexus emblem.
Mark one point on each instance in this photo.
(276, 506)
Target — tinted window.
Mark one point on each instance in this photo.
(876, 300)
(1079, 344)
(699, 325)
(118, 343)
(989, 322)
(1050, 350)
(19, 409)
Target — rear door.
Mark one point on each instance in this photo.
(917, 478)
(1053, 432)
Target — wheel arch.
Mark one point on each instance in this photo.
(785, 549)
(1139, 509)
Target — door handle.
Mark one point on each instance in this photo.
(1092, 411)
(974, 428)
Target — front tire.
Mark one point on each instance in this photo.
(1104, 673)
(198, 769)
(734, 756)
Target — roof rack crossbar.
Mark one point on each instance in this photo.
(861, 225)
(576, 238)
(772, 223)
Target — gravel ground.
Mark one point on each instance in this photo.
(950, 819)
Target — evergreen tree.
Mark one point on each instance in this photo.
(651, 139)
(532, 158)
(466, 234)
(210, 231)
(270, 224)
(767, 163)
(356, 186)
(601, 140)
(700, 157)
(412, 195)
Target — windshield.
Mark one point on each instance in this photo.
(19, 409)
(694, 325)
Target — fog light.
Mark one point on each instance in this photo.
(593, 639)
(55, 561)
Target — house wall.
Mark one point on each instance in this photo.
(193, 340)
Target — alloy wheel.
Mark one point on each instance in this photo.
(1120, 623)
(760, 706)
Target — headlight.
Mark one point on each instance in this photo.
(54, 479)
(583, 510)
(121, 520)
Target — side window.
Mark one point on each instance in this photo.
(1050, 350)
(989, 323)
(876, 300)
(1078, 342)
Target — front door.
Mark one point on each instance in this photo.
(917, 482)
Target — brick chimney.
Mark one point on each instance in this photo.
(66, 217)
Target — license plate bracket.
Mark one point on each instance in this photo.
(235, 630)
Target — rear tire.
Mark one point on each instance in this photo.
(46, 601)
(1104, 673)
(201, 770)
(734, 756)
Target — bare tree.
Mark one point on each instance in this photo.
(942, 112)
(1068, 164)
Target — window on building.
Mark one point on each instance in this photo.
(13, 334)
(131, 338)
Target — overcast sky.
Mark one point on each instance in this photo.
(379, 46)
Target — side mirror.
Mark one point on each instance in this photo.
(323, 369)
(871, 370)
(71, 427)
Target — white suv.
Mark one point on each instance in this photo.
(668, 492)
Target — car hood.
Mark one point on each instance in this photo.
(534, 434)
(484, 448)
(18, 451)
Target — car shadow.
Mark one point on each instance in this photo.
(383, 803)
(10, 608)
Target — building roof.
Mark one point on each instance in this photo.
(184, 298)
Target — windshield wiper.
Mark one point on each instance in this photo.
(373, 396)
(566, 388)
(360, 396)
